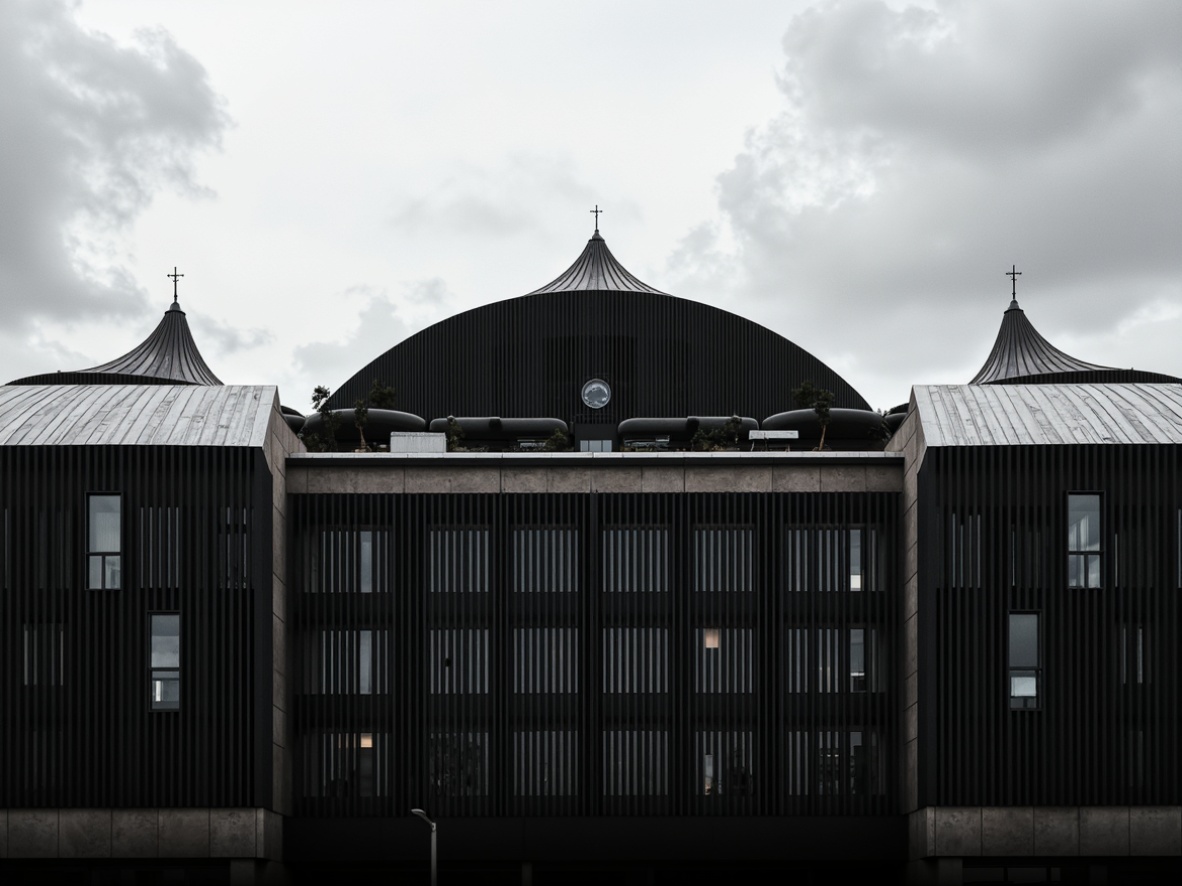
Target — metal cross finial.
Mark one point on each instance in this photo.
(596, 212)
(174, 276)
(1013, 273)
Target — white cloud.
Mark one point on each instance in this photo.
(93, 131)
(922, 152)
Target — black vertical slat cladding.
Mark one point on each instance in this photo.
(1105, 731)
(549, 655)
(529, 356)
(77, 726)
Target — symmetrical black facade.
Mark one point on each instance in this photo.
(951, 656)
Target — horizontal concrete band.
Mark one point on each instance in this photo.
(966, 831)
(141, 833)
(322, 479)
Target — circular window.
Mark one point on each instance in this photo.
(597, 393)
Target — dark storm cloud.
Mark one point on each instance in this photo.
(92, 131)
(920, 153)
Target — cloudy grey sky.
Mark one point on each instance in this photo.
(330, 178)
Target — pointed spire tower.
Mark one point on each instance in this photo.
(596, 269)
(168, 356)
(1021, 356)
(1020, 352)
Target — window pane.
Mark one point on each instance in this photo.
(366, 564)
(855, 559)
(96, 572)
(1083, 522)
(166, 690)
(365, 662)
(111, 572)
(857, 659)
(1023, 640)
(104, 523)
(166, 641)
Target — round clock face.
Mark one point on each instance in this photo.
(597, 393)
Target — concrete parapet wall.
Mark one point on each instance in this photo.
(884, 473)
(245, 832)
(1030, 831)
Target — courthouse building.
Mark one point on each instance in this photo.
(944, 648)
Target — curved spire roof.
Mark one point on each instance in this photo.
(1020, 352)
(596, 269)
(168, 354)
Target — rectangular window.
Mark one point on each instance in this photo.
(166, 661)
(1083, 541)
(347, 764)
(350, 561)
(159, 561)
(104, 542)
(725, 761)
(44, 653)
(830, 559)
(458, 561)
(545, 660)
(636, 763)
(546, 763)
(545, 560)
(868, 660)
(964, 551)
(828, 660)
(636, 560)
(344, 662)
(458, 764)
(635, 660)
(725, 660)
(459, 661)
(724, 560)
(1025, 668)
(797, 656)
(866, 773)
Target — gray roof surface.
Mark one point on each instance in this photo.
(135, 415)
(1017, 415)
(596, 269)
(1019, 351)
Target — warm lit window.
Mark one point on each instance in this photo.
(1024, 660)
(1083, 541)
(166, 661)
(103, 542)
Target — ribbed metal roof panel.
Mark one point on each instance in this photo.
(1020, 415)
(596, 269)
(1020, 351)
(135, 415)
(168, 353)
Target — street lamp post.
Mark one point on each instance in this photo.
(434, 855)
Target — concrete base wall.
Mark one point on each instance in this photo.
(1047, 831)
(141, 833)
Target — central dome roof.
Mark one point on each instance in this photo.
(658, 355)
